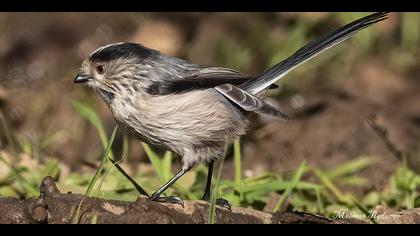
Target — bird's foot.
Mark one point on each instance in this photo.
(220, 202)
(169, 199)
(223, 203)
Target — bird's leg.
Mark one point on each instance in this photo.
(170, 199)
(206, 197)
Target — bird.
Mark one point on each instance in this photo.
(190, 109)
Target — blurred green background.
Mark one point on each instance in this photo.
(357, 116)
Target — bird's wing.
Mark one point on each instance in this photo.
(201, 77)
(250, 102)
(213, 76)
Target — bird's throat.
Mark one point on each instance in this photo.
(107, 96)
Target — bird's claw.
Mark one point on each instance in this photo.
(223, 203)
(220, 202)
(169, 199)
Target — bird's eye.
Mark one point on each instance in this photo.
(100, 69)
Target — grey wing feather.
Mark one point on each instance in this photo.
(213, 76)
(249, 102)
(201, 77)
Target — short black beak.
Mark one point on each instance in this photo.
(81, 79)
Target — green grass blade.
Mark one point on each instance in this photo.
(237, 162)
(163, 168)
(320, 203)
(260, 177)
(125, 146)
(8, 135)
(273, 186)
(76, 217)
(132, 181)
(156, 162)
(108, 170)
(51, 169)
(32, 191)
(212, 208)
(90, 114)
(330, 185)
(94, 219)
(363, 209)
(102, 164)
(410, 30)
(353, 181)
(350, 167)
(295, 180)
(167, 165)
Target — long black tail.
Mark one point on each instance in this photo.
(308, 52)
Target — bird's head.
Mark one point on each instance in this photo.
(116, 69)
